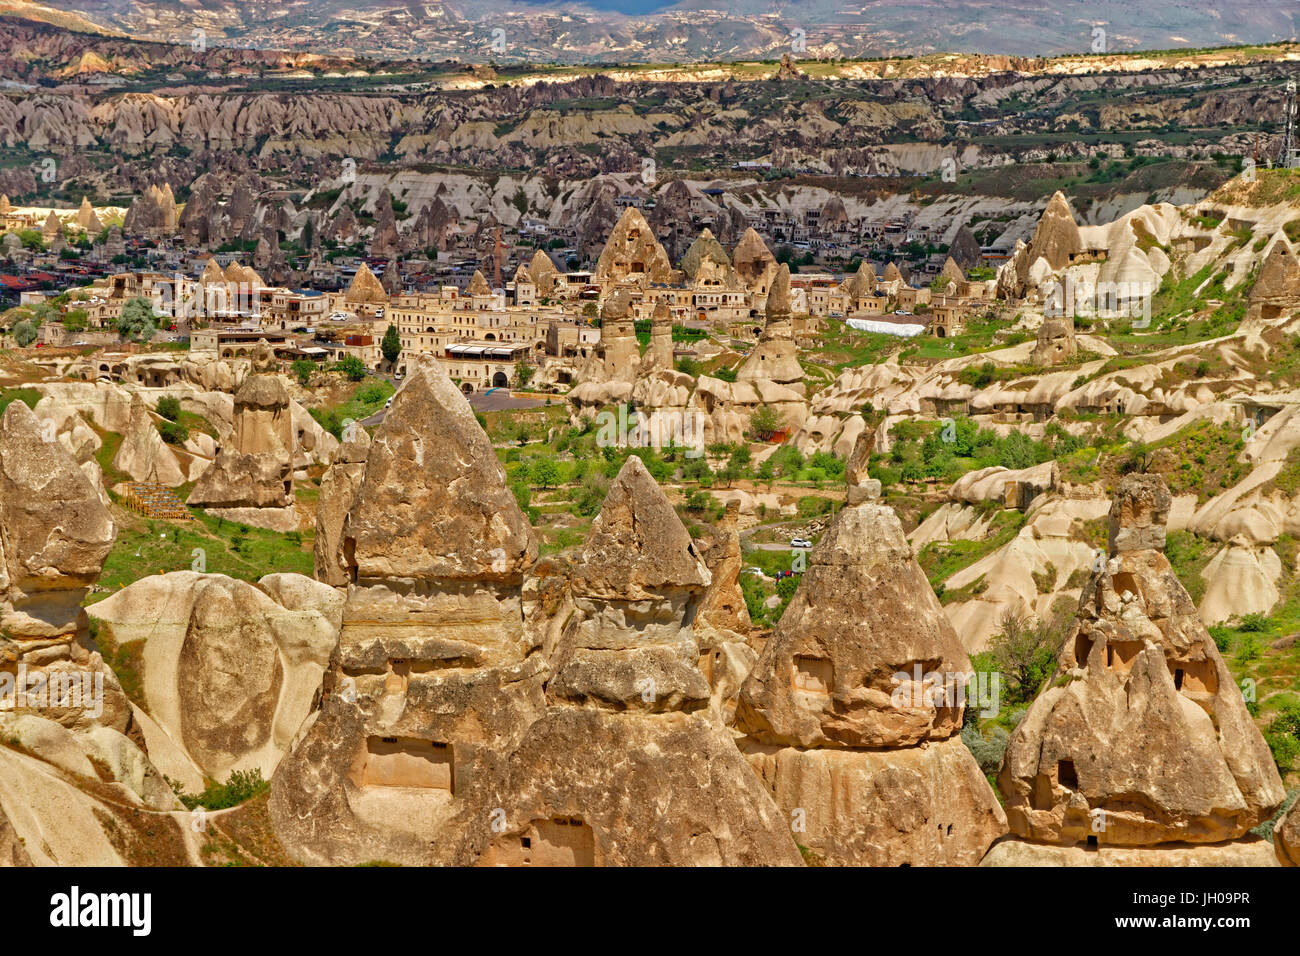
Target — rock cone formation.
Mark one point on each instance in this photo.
(853, 709)
(143, 454)
(632, 252)
(626, 683)
(152, 214)
(775, 359)
(1055, 241)
(1276, 293)
(754, 262)
(365, 289)
(705, 247)
(251, 480)
(1142, 737)
(338, 492)
(965, 249)
(436, 677)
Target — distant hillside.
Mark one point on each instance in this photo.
(644, 31)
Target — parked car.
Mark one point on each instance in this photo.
(800, 543)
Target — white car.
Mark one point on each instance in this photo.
(388, 403)
(800, 543)
(338, 316)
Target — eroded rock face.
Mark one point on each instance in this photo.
(863, 613)
(627, 730)
(1055, 240)
(143, 454)
(1276, 293)
(912, 806)
(775, 358)
(1252, 852)
(55, 533)
(437, 675)
(338, 491)
(229, 669)
(1286, 838)
(1142, 736)
(632, 252)
(857, 688)
(63, 704)
(754, 262)
(251, 479)
(1055, 343)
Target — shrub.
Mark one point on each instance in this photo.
(173, 433)
(242, 785)
(169, 408)
(987, 751)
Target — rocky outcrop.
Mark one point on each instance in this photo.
(626, 683)
(1286, 837)
(853, 710)
(228, 670)
(251, 479)
(1055, 241)
(1055, 343)
(64, 709)
(965, 249)
(143, 454)
(754, 262)
(722, 625)
(365, 289)
(152, 214)
(338, 492)
(1276, 293)
(437, 675)
(632, 254)
(1141, 737)
(55, 534)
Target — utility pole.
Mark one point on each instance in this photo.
(1288, 156)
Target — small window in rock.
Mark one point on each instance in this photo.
(1092, 842)
(1178, 678)
(1065, 774)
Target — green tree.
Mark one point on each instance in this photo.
(24, 333)
(302, 369)
(765, 422)
(352, 367)
(76, 320)
(391, 345)
(137, 320)
(169, 408)
(523, 374)
(544, 471)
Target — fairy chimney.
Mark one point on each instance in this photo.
(853, 711)
(1141, 738)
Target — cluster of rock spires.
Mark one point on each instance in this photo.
(442, 696)
(467, 674)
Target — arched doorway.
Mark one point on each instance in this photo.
(499, 380)
(467, 387)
